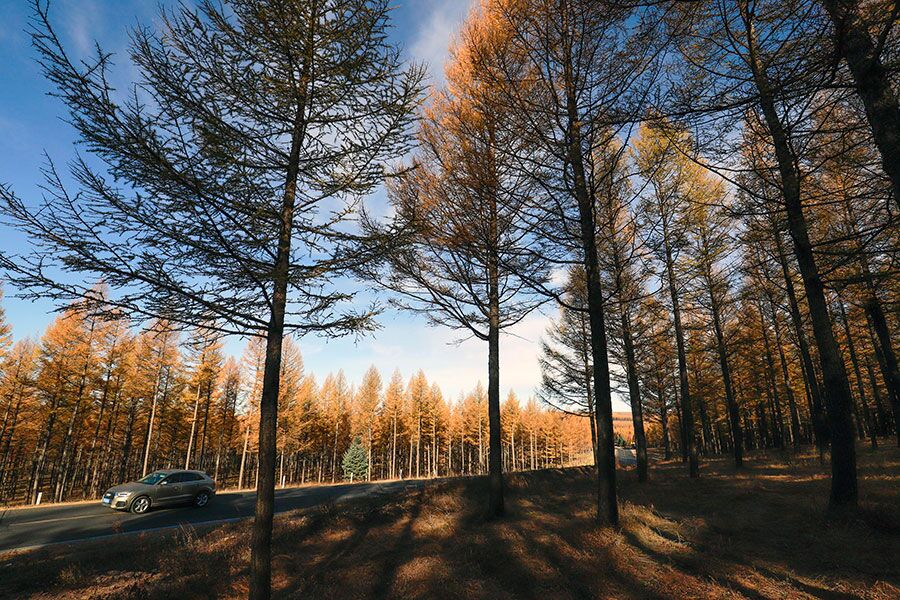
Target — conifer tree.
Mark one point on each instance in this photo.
(205, 203)
(460, 257)
(355, 463)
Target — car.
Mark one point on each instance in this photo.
(161, 488)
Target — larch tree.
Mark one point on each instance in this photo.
(657, 361)
(710, 230)
(575, 74)
(159, 343)
(205, 357)
(227, 413)
(622, 264)
(366, 404)
(565, 356)
(458, 216)
(759, 69)
(222, 178)
(392, 415)
(664, 206)
(19, 370)
(861, 33)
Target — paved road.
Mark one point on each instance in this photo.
(626, 456)
(28, 527)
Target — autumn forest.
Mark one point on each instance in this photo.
(701, 198)
(94, 403)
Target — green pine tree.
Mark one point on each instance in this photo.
(355, 463)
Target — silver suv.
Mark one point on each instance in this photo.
(162, 488)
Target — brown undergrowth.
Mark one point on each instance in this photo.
(757, 533)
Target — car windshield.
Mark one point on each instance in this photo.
(153, 478)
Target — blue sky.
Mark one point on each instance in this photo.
(30, 124)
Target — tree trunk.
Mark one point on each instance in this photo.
(369, 456)
(860, 387)
(876, 318)
(872, 81)
(187, 456)
(38, 470)
(844, 489)
(261, 538)
(607, 502)
(890, 370)
(876, 393)
(789, 392)
(394, 448)
(150, 422)
(495, 435)
(202, 460)
(771, 383)
(814, 395)
(882, 362)
(634, 395)
(688, 438)
(734, 417)
(419, 440)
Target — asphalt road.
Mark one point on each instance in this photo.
(38, 526)
(626, 456)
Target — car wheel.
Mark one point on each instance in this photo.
(201, 499)
(140, 505)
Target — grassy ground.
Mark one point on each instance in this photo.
(760, 533)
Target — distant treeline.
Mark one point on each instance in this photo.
(94, 403)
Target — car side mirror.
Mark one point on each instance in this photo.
(163, 482)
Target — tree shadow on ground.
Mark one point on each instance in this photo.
(758, 533)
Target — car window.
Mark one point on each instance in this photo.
(175, 478)
(193, 477)
(152, 478)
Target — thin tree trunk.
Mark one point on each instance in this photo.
(688, 437)
(888, 362)
(882, 363)
(495, 441)
(734, 417)
(876, 317)
(418, 441)
(860, 387)
(394, 448)
(607, 501)
(202, 460)
(150, 422)
(789, 391)
(104, 398)
(771, 383)
(876, 393)
(240, 483)
(369, 457)
(814, 396)
(634, 395)
(38, 470)
(187, 456)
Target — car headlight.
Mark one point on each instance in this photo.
(122, 494)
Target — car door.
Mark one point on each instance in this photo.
(192, 484)
(170, 489)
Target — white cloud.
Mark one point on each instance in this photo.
(432, 40)
(84, 24)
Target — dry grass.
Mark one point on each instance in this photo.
(760, 533)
